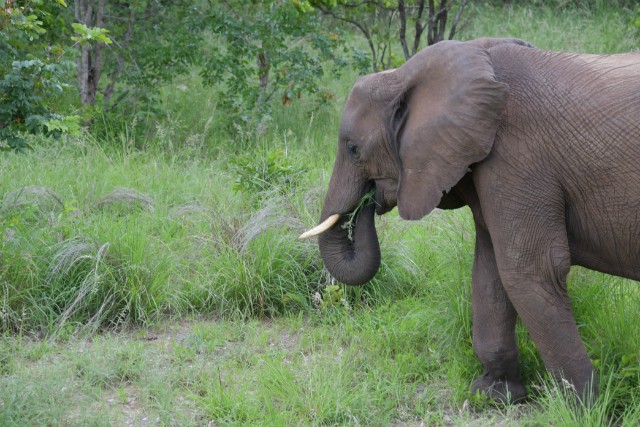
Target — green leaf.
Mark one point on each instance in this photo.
(69, 125)
(90, 35)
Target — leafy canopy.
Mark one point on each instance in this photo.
(33, 74)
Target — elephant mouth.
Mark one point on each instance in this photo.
(348, 241)
(385, 200)
(350, 218)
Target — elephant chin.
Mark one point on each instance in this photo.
(352, 257)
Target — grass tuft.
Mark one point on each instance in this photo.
(44, 199)
(128, 198)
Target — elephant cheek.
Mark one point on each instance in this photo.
(386, 197)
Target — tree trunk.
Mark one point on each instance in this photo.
(263, 69)
(437, 22)
(89, 62)
(403, 29)
(419, 28)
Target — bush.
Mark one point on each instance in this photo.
(273, 50)
(263, 173)
(34, 76)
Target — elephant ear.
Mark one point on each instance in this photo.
(445, 120)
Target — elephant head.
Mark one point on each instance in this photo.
(410, 135)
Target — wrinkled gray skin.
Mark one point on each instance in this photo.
(544, 147)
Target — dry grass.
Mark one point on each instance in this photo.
(127, 198)
(44, 199)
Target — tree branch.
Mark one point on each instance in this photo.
(456, 19)
(403, 29)
(356, 24)
(419, 28)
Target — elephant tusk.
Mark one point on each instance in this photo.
(327, 224)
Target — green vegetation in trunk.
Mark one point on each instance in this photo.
(350, 224)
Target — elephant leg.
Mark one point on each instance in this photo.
(494, 320)
(534, 272)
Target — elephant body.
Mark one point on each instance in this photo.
(560, 187)
(569, 143)
(544, 147)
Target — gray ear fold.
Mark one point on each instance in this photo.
(453, 105)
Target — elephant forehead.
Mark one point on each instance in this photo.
(361, 119)
(374, 135)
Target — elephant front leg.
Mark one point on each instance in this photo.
(494, 320)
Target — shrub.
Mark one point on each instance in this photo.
(261, 173)
(34, 75)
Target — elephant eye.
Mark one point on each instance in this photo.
(353, 150)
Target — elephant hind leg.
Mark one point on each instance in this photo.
(534, 273)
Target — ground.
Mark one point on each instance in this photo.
(294, 370)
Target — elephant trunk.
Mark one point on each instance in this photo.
(350, 249)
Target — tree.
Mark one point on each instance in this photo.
(378, 19)
(153, 42)
(90, 14)
(269, 48)
(33, 72)
(126, 50)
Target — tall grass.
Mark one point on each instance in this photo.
(106, 239)
(591, 28)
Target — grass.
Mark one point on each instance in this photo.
(598, 29)
(138, 287)
(395, 365)
(337, 369)
(131, 237)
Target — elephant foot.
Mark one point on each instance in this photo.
(501, 391)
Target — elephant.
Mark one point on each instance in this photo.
(543, 147)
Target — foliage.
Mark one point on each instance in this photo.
(264, 173)
(272, 48)
(34, 74)
(380, 21)
(87, 36)
(154, 42)
(635, 23)
(332, 297)
(350, 224)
